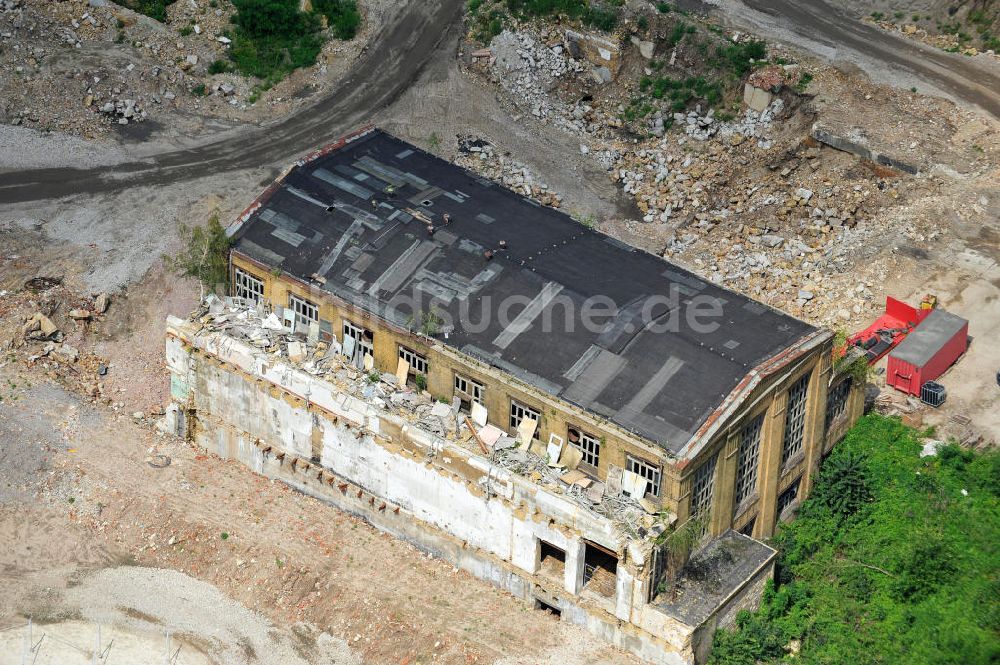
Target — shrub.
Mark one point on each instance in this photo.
(892, 560)
(342, 16)
(156, 9)
(273, 38)
(205, 255)
(220, 67)
(585, 11)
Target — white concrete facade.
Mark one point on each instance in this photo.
(289, 425)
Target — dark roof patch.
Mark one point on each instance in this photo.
(356, 217)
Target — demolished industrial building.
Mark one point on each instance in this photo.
(511, 390)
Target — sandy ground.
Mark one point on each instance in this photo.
(205, 530)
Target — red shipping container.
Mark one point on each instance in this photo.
(936, 343)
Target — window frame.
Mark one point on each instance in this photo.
(297, 303)
(836, 400)
(793, 490)
(478, 393)
(413, 358)
(588, 444)
(795, 419)
(748, 461)
(244, 283)
(653, 473)
(527, 410)
(361, 345)
(703, 488)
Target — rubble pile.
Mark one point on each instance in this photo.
(52, 335)
(747, 202)
(527, 68)
(703, 127)
(123, 110)
(254, 324)
(480, 155)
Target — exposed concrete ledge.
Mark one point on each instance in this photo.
(855, 148)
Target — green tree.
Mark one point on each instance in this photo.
(205, 255)
(892, 559)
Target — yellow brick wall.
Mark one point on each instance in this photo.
(557, 416)
(444, 363)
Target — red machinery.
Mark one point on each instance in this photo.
(891, 328)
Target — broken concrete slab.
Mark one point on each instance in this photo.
(65, 353)
(840, 143)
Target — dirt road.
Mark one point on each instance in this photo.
(394, 60)
(424, 32)
(834, 35)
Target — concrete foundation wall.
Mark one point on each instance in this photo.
(745, 598)
(288, 425)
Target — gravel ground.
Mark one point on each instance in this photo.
(24, 148)
(167, 598)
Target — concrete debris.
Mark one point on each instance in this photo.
(65, 353)
(40, 327)
(101, 303)
(480, 155)
(441, 419)
(79, 314)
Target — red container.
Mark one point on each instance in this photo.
(936, 343)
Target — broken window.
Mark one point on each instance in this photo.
(702, 489)
(551, 560)
(306, 312)
(647, 470)
(418, 363)
(362, 342)
(795, 419)
(746, 470)
(600, 569)
(588, 444)
(747, 529)
(247, 286)
(836, 400)
(469, 392)
(519, 412)
(788, 496)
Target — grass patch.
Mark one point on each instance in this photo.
(603, 16)
(152, 8)
(272, 38)
(220, 67)
(892, 559)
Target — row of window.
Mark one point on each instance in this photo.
(359, 341)
(748, 459)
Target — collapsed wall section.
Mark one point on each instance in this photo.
(299, 429)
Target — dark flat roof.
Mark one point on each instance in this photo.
(930, 335)
(353, 218)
